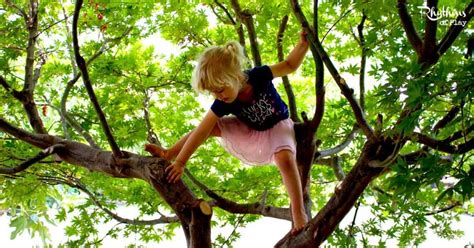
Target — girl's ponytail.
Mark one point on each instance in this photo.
(237, 52)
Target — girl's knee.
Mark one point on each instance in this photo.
(285, 155)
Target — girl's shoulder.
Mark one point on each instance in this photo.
(259, 74)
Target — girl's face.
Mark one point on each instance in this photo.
(226, 94)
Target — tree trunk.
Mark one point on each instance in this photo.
(344, 198)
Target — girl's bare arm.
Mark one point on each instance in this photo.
(197, 137)
(294, 59)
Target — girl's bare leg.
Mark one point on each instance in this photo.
(172, 152)
(286, 162)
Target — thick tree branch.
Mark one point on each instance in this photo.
(429, 40)
(81, 63)
(246, 18)
(455, 30)
(236, 208)
(149, 169)
(343, 200)
(286, 82)
(319, 77)
(407, 24)
(345, 90)
(32, 27)
(441, 145)
(26, 96)
(25, 165)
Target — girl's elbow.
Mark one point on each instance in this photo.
(291, 67)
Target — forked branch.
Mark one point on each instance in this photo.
(345, 90)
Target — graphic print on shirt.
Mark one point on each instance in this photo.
(259, 110)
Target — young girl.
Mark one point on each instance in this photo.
(260, 131)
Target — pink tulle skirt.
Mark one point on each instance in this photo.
(256, 147)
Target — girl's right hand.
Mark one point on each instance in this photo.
(174, 171)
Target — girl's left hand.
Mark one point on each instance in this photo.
(303, 36)
(174, 171)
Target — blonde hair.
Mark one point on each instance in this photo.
(220, 66)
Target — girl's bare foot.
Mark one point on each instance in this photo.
(157, 151)
(299, 221)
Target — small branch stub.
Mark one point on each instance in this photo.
(205, 208)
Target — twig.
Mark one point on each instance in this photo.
(445, 209)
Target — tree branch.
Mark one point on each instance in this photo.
(286, 82)
(445, 209)
(335, 163)
(319, 77)
(459, 134)
(332, 151)
(149, 169)
(25, 165)
(446, 119)
(233, 207)
(73, 123)
(31, 75)
(246, 18)
(32, 27)
(238, 26)
(429, 43)
(78, 75)
(162, 220)
(8, 88)
(151, 137)
(345, 90)
(441, 145)
(455, 30)
(407, 24)
(363, 61)
(21, 12)
(85, 76)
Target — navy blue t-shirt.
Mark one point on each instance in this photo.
(265, 108)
